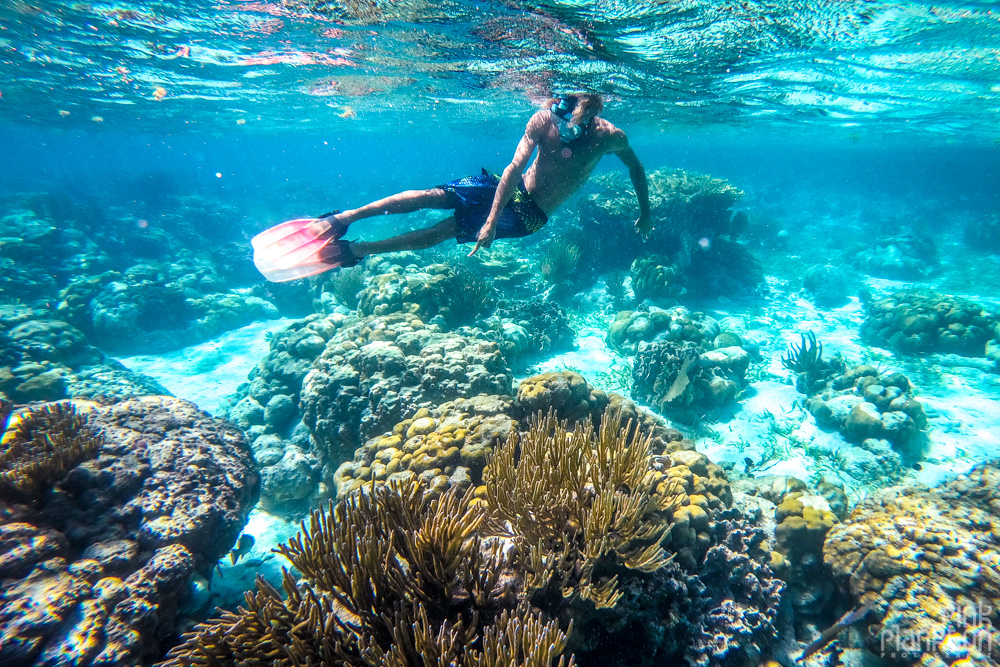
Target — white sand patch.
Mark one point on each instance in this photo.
(208, 372)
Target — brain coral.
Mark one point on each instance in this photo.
(630, 328)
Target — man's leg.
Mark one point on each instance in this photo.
(415, 240)
(403, 202)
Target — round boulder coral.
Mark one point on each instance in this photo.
(384, 369)
(925, 321)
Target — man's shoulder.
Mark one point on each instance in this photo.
(614, 136)
(539, 119)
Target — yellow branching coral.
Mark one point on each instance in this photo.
(578, 504)
(391, 577)
(40, 445)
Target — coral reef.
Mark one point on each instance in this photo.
(687, 383)
(525, 328)
(42, 359)
(656, 277)
(449, 445)
(905, 256)
(680, 201)
(803, 521)
(722, 268)
(445, 447)
(559, 261)
(154, 307)
(602, 532)
(826, 285)
(380, 370)
(102, 565)
(710, 270)
(806, 361)
(267, 409)
(864, 404)
(40, 447)
(575, 541)
(928, 561)
(631, 328)
(924, 321)
(439, 294)
(684, 206)
(390, 578)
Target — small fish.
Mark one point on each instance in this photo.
(160, 93)
(828, 635)
(243, 546)
(917, 466)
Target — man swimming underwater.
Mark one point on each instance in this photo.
(571, 139)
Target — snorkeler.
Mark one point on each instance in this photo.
(570, 138)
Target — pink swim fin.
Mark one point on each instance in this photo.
(298, 249)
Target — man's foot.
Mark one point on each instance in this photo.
(337, 226)
(339, 254)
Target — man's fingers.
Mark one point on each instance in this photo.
(473, 252)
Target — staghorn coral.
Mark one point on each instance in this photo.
(41, 446)
(391, 577)
(577, 504)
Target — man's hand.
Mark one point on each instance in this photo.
(644, 225)
(485, 237)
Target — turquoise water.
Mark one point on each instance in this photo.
(823, 169)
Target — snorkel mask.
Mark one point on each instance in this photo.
(563, 111)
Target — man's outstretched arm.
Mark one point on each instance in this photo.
(644, 224)
(508, 182)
